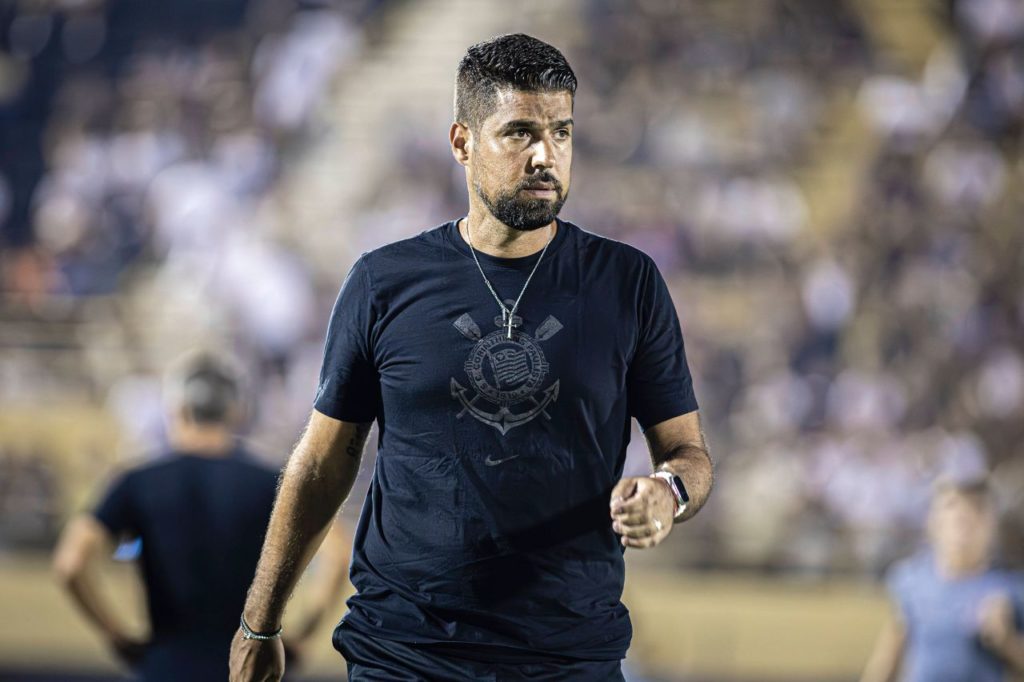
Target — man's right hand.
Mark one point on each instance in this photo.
(255, 660)
(129, 649)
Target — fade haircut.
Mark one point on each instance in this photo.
(206, 384)
(515, 61)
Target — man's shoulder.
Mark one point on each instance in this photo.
(143, 465)
(164, 463)
(405, 251)
(911, 571)
(597, 244)
(138, 474)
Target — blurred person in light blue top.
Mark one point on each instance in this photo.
(957, 616)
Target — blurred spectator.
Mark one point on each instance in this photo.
(957, 615)
(199, 513)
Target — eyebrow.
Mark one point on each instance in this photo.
(527, 123)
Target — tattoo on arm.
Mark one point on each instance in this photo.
(354, 449)
(314, 483)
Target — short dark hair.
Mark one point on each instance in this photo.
(207, 386)
(515, 61)
(975, 489)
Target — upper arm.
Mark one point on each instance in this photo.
(82, 539)
(658, 382)
(349, 385)
(681, 431)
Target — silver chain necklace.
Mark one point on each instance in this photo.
(506, 313)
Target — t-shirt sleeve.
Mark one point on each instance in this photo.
(658, 382)
(116, 510)
(1017, 597)
(349, 387)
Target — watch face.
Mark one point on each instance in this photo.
(681, 488)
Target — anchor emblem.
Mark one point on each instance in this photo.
(506, 372)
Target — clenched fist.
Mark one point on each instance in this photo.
(642, 508)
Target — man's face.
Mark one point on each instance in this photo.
(962, 527)
(519, 163)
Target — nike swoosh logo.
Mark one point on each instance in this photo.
(491, 462)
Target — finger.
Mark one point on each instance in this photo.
(637, 504)
(622, 528)
(640, 543)
(624, 489)
(634, 519)
(644, 531)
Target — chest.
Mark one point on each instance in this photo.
(447, 363)
(453, 335)
(943, 610)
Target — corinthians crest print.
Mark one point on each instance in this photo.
(506, 375)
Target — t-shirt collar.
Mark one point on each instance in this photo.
(456, 240)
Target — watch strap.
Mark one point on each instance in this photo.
(675, 483)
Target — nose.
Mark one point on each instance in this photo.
(543, 154)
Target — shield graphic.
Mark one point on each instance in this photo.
(511, 367)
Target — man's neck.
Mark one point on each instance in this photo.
(489, 235)
(203, 441)
(955, 567)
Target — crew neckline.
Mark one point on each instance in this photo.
(520, 262)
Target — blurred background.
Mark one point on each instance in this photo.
(832, 189)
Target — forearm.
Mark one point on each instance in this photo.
(314, 484)
(75, 558)
(692, 463)
(84, 589)
(884, 663)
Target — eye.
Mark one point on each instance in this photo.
(519, 133)
(562, 134)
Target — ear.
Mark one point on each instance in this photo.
(461, 139)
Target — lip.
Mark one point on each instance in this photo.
(539, 190)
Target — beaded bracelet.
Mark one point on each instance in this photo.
(248, 632)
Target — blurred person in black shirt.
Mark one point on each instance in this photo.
(200, 512)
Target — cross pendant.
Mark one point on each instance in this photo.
(507, 321)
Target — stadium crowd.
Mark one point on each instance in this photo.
(840, 367)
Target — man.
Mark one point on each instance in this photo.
(502, 356)
(957, 617)
(200, 513)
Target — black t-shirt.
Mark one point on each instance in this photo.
(201, 521)
(486, 523)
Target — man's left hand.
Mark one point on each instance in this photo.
(130, 650)
(642, 508)
(995, 622)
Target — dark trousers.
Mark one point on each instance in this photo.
(371, 659)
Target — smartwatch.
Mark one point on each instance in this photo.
(675, 483)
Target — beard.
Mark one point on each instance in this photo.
(524, 214)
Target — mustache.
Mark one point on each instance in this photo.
(538, 181)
